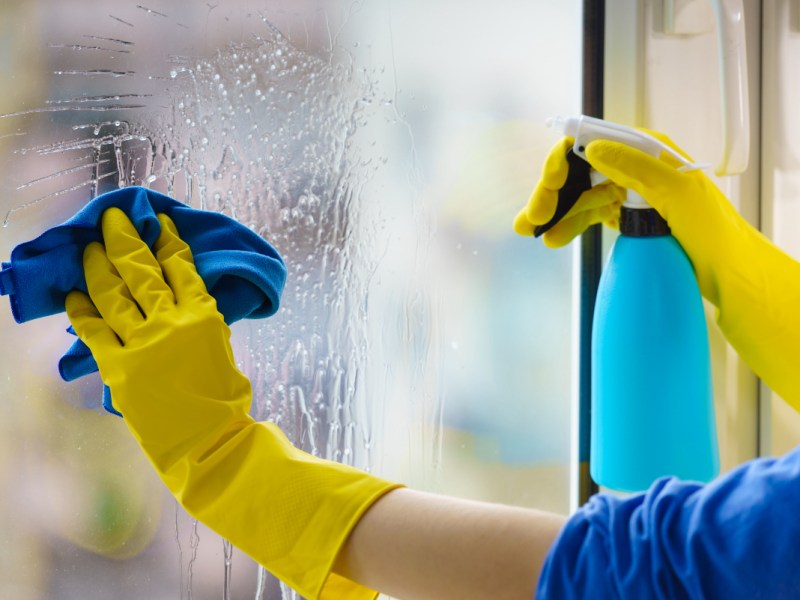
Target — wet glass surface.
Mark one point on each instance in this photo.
(383, 148)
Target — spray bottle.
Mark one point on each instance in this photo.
(652, 400)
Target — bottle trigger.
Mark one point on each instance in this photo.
(579, 180)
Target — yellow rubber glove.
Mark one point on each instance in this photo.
(601, 204)
(754, 285)
(164, 351)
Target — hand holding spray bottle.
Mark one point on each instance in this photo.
(652, 399)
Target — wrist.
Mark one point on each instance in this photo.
(290, 511)
(757, 312)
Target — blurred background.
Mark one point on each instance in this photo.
(384, 148)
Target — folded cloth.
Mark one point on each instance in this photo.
(241, 270)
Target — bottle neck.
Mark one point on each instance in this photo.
(642, 222)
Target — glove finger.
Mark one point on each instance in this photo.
(177, 263)
(543, 201)
(522, 226)
(88, 323)
(665, 139)
(600, 196)
(575, 224)
(605, 199)
(109, 293)
(135, 262)
(539, 210)
(542, 205)
(556, 167)
(653, 179)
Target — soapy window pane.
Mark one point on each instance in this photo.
(383, 148)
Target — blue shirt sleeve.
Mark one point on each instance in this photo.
(736, 537)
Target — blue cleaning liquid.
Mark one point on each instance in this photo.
(652, 399)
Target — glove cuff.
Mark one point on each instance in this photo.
(290, 511)
(759, 295)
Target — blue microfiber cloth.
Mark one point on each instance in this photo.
(243, 272)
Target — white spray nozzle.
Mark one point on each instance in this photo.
(588, 129)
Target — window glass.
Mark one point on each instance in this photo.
(384, 148)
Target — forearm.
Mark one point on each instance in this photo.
(414, 546)
(759, 313)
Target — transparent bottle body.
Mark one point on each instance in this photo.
(652, 399)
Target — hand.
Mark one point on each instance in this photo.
(754, 285)
(708, 227)
(161, 345)
(164, 351)
(600, 204)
